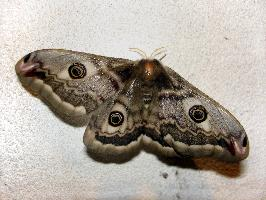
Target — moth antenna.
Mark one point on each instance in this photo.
(160, 52)
(156, 51)
(139, 51)
(162, 57)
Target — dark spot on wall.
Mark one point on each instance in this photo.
(177, 196)
(164, 175)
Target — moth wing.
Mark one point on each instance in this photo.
(196, 125)
(72, 83)
(115, 128)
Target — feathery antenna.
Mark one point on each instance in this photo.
(139, 51)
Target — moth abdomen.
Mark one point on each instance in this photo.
(147, 98)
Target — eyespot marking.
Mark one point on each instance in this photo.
(198, 113)
(116, 118)
(77, 71)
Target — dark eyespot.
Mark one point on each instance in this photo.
(198, 113)
(116, 118)
(77, 71)
(245, 141)
(26, 58)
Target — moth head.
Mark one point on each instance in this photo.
(148, 69)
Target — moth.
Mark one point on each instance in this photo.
(126, 103)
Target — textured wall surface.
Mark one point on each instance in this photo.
(219, 47)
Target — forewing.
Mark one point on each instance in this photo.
(195, 125)
(72, 83)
